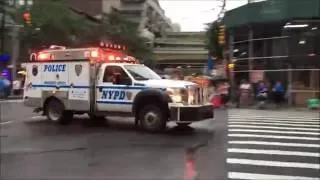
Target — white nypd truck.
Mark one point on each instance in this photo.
(103, 81)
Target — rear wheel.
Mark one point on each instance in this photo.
(55, 112)
(152, 119)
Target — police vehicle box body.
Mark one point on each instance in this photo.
(103, 81)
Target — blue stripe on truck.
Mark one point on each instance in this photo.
(84, 87)
(114, 102)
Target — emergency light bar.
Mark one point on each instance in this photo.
(94, 55)
(112, 46)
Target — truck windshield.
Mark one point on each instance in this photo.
(140, 72)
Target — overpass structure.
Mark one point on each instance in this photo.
(181, 49)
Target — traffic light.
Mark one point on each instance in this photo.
(27, 18)
(221, 35)
(231, 66)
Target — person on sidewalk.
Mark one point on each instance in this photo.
(278, 93)
(262, 94)
(245, 93)
(4, 87)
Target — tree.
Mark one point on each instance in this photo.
(116, 28)
(52, 22)
(212, 44)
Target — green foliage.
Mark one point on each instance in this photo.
(115, 28)
(212, 40)
(53, 22)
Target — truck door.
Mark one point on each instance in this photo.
(115, 91)
(79, 92)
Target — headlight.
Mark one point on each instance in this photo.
(178, 95)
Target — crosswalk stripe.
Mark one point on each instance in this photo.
(255, 176)
(273, 118)
(272, 163)
(272, 152)
(268, 143)
(274, 137)
(298, 124)
(273, 127)
(256, 138)
(272, 131)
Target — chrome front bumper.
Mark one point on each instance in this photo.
(190, 113)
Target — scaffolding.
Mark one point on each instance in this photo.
(289, 56)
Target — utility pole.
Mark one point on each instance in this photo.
(2, 31)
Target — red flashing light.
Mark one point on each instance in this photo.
(94, 54)
(111, 58)
(112, 46)
(44, 56)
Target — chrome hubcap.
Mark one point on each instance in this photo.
(151, 118)
(55, 111)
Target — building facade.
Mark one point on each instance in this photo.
(185, 50)
(275, 41)
(148, 14)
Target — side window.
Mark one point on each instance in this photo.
(116, 75)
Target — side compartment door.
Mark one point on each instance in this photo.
(33, 83)
(115, 92)
(79, 81)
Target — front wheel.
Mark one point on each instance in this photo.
(55, 112)
(152, 119)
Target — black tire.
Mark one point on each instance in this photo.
(55, 112)
(96, 120)
(152, 119)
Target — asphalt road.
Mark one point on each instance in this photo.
(32, 148)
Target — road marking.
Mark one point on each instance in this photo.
(274, 137)
(297, 124)
(268, 143)
(272, 152)
(274, 118)
(277, 132)
(254, 176)
(272, 163)
(7, 122)
(273, 127)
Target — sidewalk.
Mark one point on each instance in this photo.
(273, 107)
(12, 97)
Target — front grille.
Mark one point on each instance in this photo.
(197, 95)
